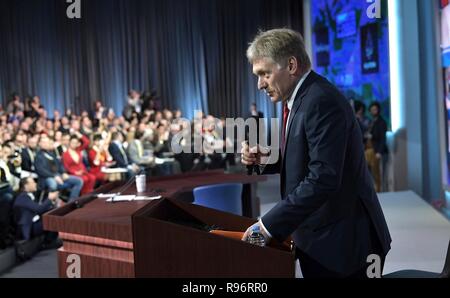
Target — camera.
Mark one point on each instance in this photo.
(15, 159)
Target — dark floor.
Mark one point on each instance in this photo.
(43, 265)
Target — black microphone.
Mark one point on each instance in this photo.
(252, 168)
(249, 170)
(256, 168)
(78, 204)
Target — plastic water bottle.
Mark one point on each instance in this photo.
(256, 237)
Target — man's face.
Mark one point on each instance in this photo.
(75, 125)
(44, 143)
(64, 121)
(33, 141)
(24, 126)
(20, 140)
(273, 79)
(58, 136)
(87, 122)
(65, 140)
(120, 137)
(374, 111)
(6, 152)
(31, 185)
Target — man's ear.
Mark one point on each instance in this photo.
(293, 65)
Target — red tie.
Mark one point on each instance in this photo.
(286, 112)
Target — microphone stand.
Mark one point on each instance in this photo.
(124, 188)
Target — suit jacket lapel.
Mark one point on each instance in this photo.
(298, 101)
(297, 104)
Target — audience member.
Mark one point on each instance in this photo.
(52, 174)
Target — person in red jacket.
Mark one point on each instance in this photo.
(99, 157)
(73, 162)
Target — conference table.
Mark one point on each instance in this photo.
(99, 235)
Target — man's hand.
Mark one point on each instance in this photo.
(261, 230)
(378, 156)
(53, 196)
(252, 156)
(59, 180)
(65, 176)
(135, 168)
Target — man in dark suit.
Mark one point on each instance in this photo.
(377, 135)
(28, 212)
(29, 154)
(51, 172)
(119, 155)
(117, 151)
(328, 205)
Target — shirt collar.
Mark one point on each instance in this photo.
(290, 102)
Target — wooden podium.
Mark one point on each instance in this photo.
(156, 238)
(171, 239)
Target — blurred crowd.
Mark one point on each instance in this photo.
(48, 160)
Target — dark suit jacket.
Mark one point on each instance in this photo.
(117, 155)
(47, 168)
(328, 200)
(25, 210)
(27, 163)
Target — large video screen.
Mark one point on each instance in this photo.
(351, 49)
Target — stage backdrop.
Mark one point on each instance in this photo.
(352, 50)
(191, 51)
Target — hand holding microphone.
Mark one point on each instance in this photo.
(251, 157)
